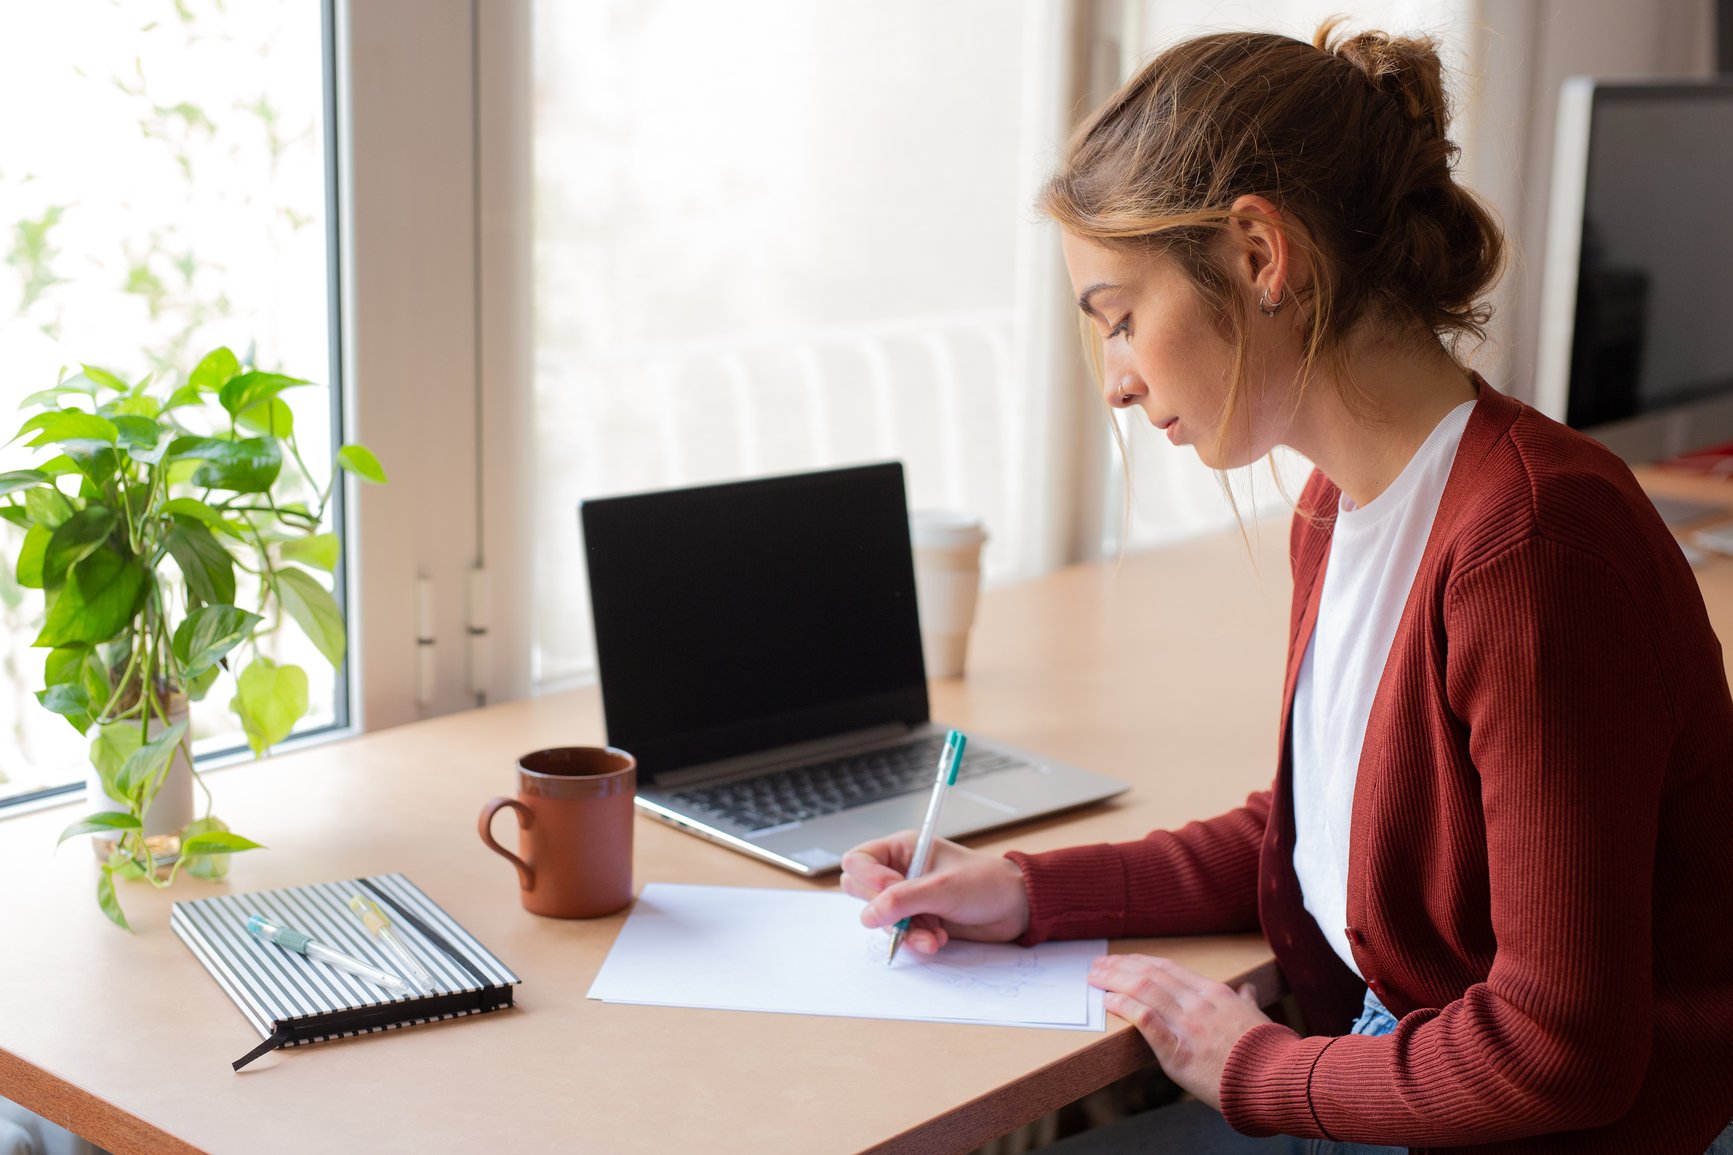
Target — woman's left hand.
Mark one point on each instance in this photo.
(1189, 1022)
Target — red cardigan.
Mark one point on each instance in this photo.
(1541, 852)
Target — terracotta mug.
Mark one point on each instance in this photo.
(574, 811)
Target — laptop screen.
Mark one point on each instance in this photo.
(736, 618)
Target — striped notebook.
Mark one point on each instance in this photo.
(291, 999)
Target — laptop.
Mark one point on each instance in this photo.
(760, 654)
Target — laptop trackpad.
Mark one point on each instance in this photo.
(963, 812)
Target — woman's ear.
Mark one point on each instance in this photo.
(1262, 260)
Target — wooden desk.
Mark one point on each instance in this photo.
(1166, 671)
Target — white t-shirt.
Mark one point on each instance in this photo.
(1374, 555)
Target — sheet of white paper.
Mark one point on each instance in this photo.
(801, 952)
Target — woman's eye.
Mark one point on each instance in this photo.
(1120, 330)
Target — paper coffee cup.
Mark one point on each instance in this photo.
(947, 549)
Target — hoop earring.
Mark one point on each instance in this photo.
(1268, 307)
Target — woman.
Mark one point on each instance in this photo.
(1496, 864)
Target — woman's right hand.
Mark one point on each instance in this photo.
(963, 893)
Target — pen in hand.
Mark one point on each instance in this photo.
(302, 944)
(950, 758)
(380, 927)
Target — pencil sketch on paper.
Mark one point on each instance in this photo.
(972, 966)
(964, 966)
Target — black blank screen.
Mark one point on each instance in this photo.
(735, 618)
(1653, 297)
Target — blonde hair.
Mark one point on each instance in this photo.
(1346, 136)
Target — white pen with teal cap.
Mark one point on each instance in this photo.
(950, 758)
(303, 944)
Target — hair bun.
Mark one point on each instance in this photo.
(1345, 135)
(1405, 68)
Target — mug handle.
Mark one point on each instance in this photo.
(526, 819)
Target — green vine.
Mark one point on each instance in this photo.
(134, 527)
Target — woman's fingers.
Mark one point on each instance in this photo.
(1184, 976)
(870, 868)
(963, 893)
(855, 888)
(874, 865)
(1148, 1022)
(893, 851)
(905, 899)
(1190, 1022)
(925, 935)
(1147, 986)
(1171, 972)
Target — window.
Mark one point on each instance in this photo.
(163, 190)
(773, 236)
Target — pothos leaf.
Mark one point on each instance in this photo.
(318, 550)
(206, 565)
(67, 700)
(271, 416)
(47, 506)
(21, 479)
(270, 699)
(69, 425)
(218, 366)
(109, 750)
(194, 508)
(218, 842)
(359, 460)
(208, 633)
(314, 610)
(109, 821)
(31, 556)
(243, 392)
(249, 465)
(142, 773)
(106, 900)
(75, 539)
(105, 379)
(99, 599)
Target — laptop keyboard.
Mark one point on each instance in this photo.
(803, 792)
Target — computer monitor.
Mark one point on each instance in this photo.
(1636, 336)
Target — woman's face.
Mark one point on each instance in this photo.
(1163, 352)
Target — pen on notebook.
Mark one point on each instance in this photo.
(373, 918)
(304, 945)
(950, 758)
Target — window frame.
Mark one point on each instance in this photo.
(344, 720)
(436, 288)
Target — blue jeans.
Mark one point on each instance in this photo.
(1375, 1018)
(1196, 1129)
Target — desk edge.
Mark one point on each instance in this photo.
(1000, 1111)
(86, 1115)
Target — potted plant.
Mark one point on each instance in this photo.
(156, 514)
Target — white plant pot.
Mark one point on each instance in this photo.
(170, 811)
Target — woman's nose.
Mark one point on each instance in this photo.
(1120, 381)
(1123, 389)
